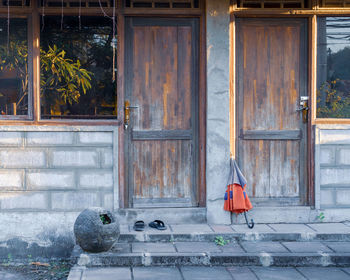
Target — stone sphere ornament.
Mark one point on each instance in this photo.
(96, 230)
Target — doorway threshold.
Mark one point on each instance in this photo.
(172, 215)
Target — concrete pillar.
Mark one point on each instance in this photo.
(218, 128)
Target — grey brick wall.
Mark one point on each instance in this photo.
(332, 166)
(57, 169)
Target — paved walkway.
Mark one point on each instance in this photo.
(212, 273)
(302, 247)
(242, 228)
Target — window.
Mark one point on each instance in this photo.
(76, 61)
(333, 71)
(14, 75)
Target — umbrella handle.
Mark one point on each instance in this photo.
(251, 225)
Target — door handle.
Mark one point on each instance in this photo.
(304, 108)
(127, 108)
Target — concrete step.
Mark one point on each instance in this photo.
(246, 253)
(239, 232)
(232, 237)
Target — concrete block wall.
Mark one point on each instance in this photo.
(47, 176)
(56, 170)
(332, 166)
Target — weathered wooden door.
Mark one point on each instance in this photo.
(271, 78)
(161, 151)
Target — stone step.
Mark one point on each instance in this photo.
(232, 237)
(215, 259)
(246, 253)
(239, 232)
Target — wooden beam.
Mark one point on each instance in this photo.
(271, 135)
(232, 85)
(313, 63)
(35, 37)
(202, 197)
(162, 135)
(245, 12)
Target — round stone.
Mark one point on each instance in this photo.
(96, 230)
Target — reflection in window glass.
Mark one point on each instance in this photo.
(76, 68)
(13, 67)
(333, 71)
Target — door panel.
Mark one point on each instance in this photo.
(162, 71)
(271, 56)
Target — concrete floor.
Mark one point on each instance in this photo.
(203, 273)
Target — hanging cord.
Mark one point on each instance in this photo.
(103, 11)
(114, 42)
(62, 15)
(8, 26)
(43, 16)
(79, 14)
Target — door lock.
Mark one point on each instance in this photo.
(304, 100)
(127, 108)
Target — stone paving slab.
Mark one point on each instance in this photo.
(341, 247)
(222, 229)
(191, 228)
(299, 228)
(261, 228)
(107, 273)
(306, 247)
(271, 247)
(152, 273)
(330, 228)
(232, 248)
(205, 273)
(121, 248)
(241, 273)
(319, 273)
(277, 273)
(153, 247)
(188, 247)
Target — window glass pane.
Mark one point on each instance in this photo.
(76, 67)
(333, 71)
(13, 67)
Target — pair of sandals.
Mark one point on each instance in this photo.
(157, 224)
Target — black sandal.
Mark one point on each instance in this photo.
(157, 224)
(139, 226)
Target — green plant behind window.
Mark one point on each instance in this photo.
(333, 101)
(62, 79)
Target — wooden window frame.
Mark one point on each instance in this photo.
(33, 14)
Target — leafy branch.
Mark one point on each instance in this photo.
(62, 79)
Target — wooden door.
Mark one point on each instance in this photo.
(162, 77)
(272, 71)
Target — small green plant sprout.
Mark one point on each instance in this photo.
(105, 219)
(320, 217)
(9, 260)
(220, 241)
